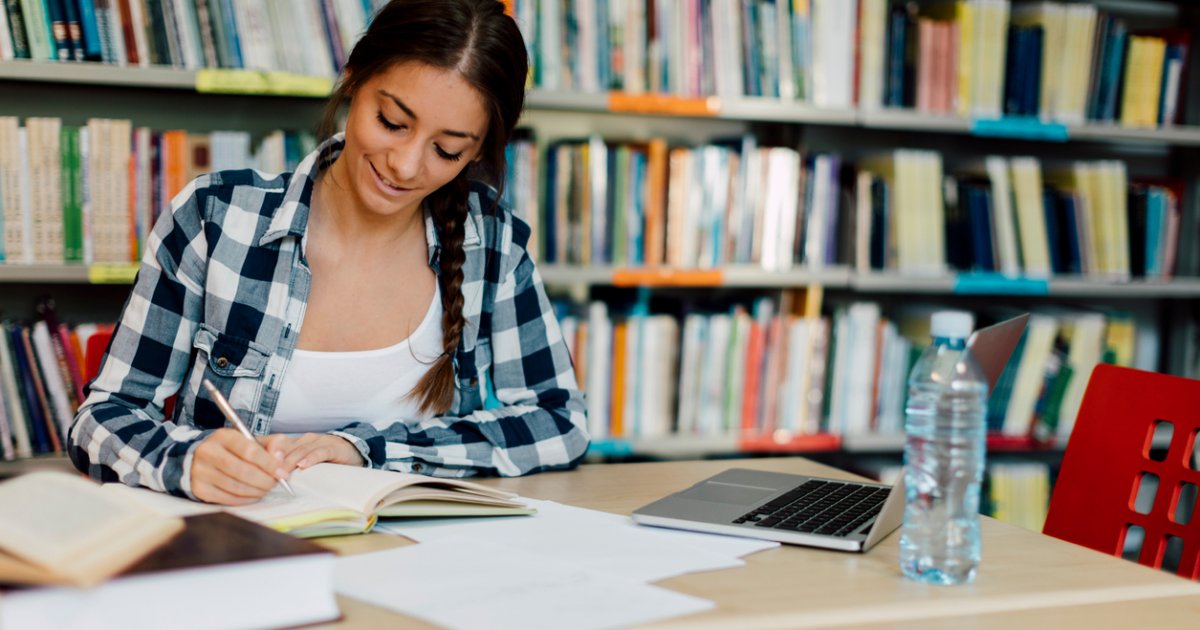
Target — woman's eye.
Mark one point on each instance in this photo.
(453, 157)
(387, 124)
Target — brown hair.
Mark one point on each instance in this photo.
(477, 40)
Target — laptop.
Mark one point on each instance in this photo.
(811, 511)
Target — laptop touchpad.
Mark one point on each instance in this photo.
(727, 493)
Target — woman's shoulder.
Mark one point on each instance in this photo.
(500, 228)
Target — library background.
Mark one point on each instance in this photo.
(745, 210)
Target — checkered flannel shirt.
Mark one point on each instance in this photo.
(221, 294)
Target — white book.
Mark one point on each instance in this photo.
(1031, 216)
(52, 378)
(860, 379)
(862, 221)
(873, 28)
(735, 377)
(13, 190)
(635, 375)
(843, 331)
(834, 23)
(633, 80)
(6, 43)
(690, 370)
(549, 44)
(18, 421)
(318, 56)
(1087, 347)
(1030, 377)
(189, 34)
(727, 48)
(599, 369)
(792, 409)
(824, 189)
(712, 395)
(24, 239)
(1003, 229)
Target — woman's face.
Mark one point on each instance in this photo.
(412, 129)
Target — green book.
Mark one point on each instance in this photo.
(72, 195)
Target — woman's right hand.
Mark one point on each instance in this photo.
(230, 470)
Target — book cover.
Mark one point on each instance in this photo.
(215, 554)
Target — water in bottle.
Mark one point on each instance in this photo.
(944, 457)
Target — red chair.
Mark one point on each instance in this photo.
(1113, 457)
(93, 354)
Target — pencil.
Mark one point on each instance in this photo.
(233, 418)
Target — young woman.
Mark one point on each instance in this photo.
(376, 307)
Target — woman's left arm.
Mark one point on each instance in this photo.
(541, 425)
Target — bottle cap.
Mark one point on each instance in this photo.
(952, 324)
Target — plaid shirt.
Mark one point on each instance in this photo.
(221, 295)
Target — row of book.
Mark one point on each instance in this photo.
(42, 376)
(309, 37)
(778, 368)
(90, 194)
(616, 203)
(980, 58)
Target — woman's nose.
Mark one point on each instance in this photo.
(404, 161)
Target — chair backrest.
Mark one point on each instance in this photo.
(1122, 491)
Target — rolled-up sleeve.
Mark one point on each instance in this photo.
(120, 433)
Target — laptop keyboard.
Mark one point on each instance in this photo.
(821, 507)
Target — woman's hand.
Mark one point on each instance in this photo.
(312, 448)
(230, 470)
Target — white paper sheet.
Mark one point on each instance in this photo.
(591, 539)
(466, 583)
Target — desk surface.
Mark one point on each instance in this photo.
(1026, 579)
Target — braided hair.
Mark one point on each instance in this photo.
(476, 39)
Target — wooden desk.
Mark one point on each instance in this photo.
(1026, 580)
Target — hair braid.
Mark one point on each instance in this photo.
(449, 209)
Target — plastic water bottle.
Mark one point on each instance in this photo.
(944, 457)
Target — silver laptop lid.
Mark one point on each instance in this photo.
(992, 346)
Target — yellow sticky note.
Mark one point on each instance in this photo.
(112, 273)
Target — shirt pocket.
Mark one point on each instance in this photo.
(228, 356)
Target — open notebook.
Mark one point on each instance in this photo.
(332, 499)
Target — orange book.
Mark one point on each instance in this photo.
(175, 162)
(751, 394)
(656, 201)
(616, 424)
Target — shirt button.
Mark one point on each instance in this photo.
(222, 362)
(417, 467)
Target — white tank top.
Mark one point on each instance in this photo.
(325, 391)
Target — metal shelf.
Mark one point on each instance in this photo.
(909, 120)
(776, 110)
(90, 73)
(64, 274)
(745, 109)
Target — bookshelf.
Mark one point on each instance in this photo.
(259, 101)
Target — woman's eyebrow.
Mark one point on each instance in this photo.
(411, 114)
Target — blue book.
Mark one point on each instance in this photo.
(879, 222)
(89, 30)
(1156, 217)
(751, 50)
(549, 211)
(39, 437)
(1053, 233)
(979, 218)
(1031, 96)
(1111, 78)
(1135, 221)
(1069, 223)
